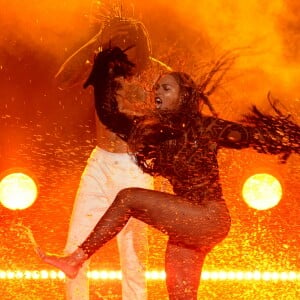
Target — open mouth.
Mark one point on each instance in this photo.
(158, 101)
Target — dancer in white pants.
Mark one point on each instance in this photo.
(109, 167)
(105, 174)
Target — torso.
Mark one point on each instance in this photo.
(190, 164)
(109, 141)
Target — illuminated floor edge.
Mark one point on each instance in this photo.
(154, 275)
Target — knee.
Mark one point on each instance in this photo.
(127, 194)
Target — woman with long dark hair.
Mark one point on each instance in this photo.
(180, 143)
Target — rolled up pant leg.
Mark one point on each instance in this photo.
(133, 250)
(90, 204)
(104, 176)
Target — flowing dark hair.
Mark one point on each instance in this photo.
(190, 94)
(193, 93)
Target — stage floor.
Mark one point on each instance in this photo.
(24, 289)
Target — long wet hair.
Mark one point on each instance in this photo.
(191, 96)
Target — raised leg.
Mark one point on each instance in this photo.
(186, 224)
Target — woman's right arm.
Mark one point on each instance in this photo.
(76, 68)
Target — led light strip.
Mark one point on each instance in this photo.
(156, 275)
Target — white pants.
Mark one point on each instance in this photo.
(104, 176)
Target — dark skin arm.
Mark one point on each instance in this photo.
(76, 68)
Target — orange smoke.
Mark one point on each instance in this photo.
(49, 25)
(267, 32)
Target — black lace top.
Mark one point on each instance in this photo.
(183, 148)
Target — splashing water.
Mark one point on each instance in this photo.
(27, 231)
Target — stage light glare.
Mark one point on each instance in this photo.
(44, 274)
(17, 191)
(205, 275)
(61, 275)
(155, 275)
(256, 275)
(2, 274)
(262, 191)
(95, 275)
(19, 275)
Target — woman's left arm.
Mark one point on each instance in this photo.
(264, 133)
(273, 134)
(225, 133)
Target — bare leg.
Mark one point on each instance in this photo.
(187, 225)
(183, 268)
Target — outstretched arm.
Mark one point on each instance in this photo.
(273, 134)
(264, 133)
(75, 69)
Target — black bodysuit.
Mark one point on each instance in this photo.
(183, 148)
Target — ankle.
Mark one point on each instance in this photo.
(78, 256)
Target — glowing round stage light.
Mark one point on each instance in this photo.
(262, 191)
(17, 191)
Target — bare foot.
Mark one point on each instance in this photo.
(70, 264)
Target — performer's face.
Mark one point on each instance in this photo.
(166, 93)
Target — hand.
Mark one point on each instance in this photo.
(118, 33)
(112, 62)
(119, 65)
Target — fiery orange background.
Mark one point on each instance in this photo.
(51, 132)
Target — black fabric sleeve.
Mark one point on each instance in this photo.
(227, 134)
(273, 134)
(109, 65)
(266, 134)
